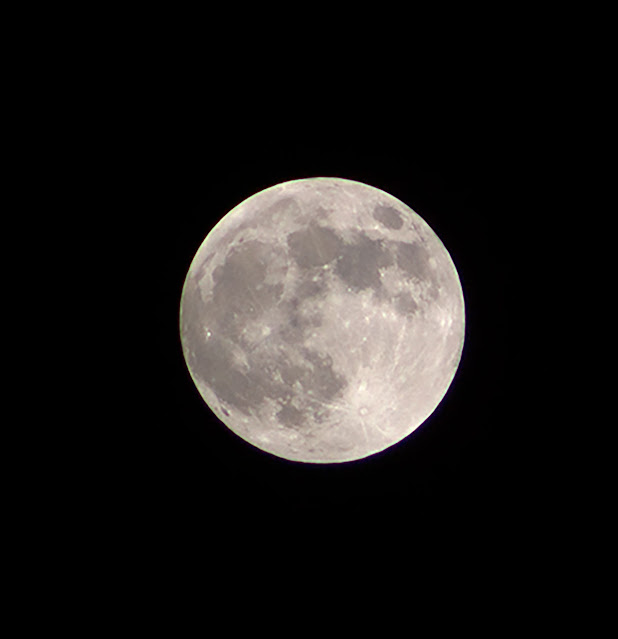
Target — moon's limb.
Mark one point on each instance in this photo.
(322, 320)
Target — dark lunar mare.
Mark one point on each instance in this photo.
(388, 217)
(360, 262)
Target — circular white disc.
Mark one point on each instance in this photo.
(322, 320)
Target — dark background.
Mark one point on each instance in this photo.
(166, 131)
(469, 470)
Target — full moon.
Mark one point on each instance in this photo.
(322, 320)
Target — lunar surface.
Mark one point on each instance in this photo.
(322, 320)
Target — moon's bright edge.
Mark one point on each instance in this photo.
(322, 320)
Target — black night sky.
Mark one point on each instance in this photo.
(166, 130)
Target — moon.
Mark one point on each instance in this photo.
(322, 320)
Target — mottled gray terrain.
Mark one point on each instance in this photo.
(322, 320)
